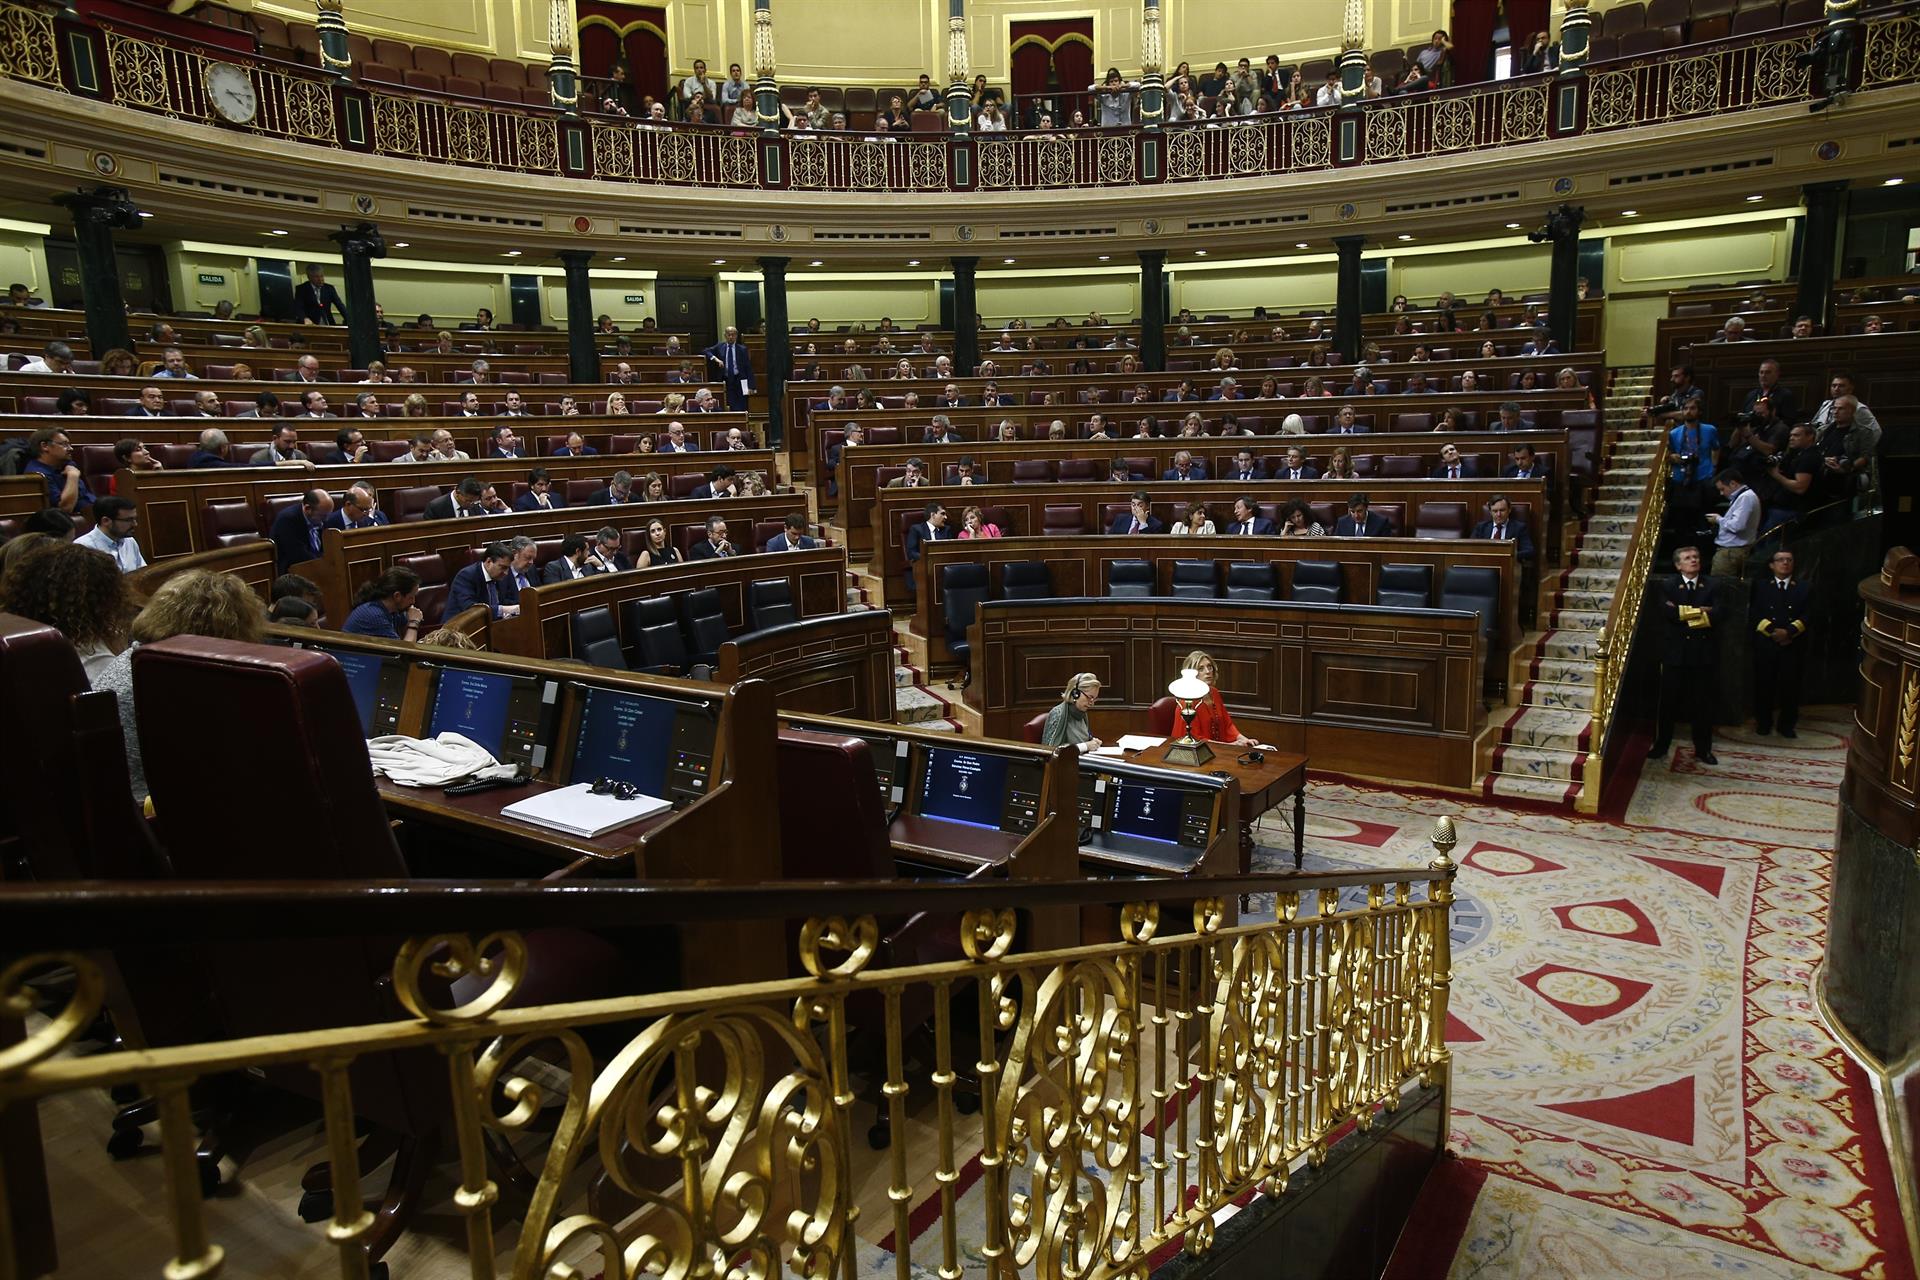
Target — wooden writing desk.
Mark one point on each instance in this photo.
(479, 814)
(1262, 787)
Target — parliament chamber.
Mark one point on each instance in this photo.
(965, 637)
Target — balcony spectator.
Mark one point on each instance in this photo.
(1113, 103)
(896, 118)
(733, 90)
(1436, 59)
(697, 85)
(1542, 55)
(1329, 94)
(924, 97)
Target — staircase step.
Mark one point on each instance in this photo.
(1562, 671)
(1538, 762)
(1509, 786)
(1579, 619)
(1570, 645)
(914, 705)
(1556, 697)
(1568, 731)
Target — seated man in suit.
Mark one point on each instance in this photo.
(571, 563)
(794, 537)
(358, 509)
(715, 545)
(215, 451)
(1227, 390)
(1502, 526)
(1186, 467)
(313, 404)
(721, 482)
(1297, 467)
(1525, 464)
(941, 431)
(349, 446)
(618, 490)
(283, 450)
(296, 530)
(914, 476)
(932, 527)
(1510, 417)
(1248, 520)
(604, 554)
(471, 497)
(576, 445)
(1360, 522)
(1345, 423)
(677, 441)
(1452, 465)
(265, 405)
(1140, 517)
(470, 404)
(1245, 469)
(505, 443)
(539, 495)
(488, 582)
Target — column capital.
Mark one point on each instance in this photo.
(101, 206)
(1152, 257)
(575, 257)
(964, 263)
(359, 238)
(1350, 244)
(773, 266)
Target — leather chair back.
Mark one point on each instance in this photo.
(1444, 520)
(1405, 586)
(770, 603)
(962, 588)
(1476, 588)
(1413, 422)
(1401, 465)
(652, 627)
(596, 638)
(1251, 581)
(1317, 581)
(228, 521)
(832, 825)
(1163, 717)
(706, 624)
(1031, 730)
(1194, 579)
(1062, 521)
(434, 580)
(409, 504)
(1025, 580)
(1130, 578)
(1033, 471)
(1081, 469)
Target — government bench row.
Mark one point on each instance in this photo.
(1437, 510)
(182, 512)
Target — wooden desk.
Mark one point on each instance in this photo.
(479, 814)
(952, 846)
(1262, 787)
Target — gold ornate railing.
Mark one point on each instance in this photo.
(1127, 1091)
(1623, 617)
(156, 72)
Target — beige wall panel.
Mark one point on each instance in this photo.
(1308, 284)
(448, 296)
(907, 302)
(23, 260)
(1226, 30)
(609, 298)
(869, 42)
(1676, 259)
(1407, 22)
(1470, 274)
(1039, 299)
(239, 284)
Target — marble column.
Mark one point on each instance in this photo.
(1153, 310)
(583, 353)
(1346, 313)
(97, 213)
(774, 324)
(1563, 282)
(1820, 249)
(966, 317)
(1153, 94)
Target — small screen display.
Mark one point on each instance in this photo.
(626, 737)
(964, 786)
(1147, 812)
(473, 704)
(363, 677)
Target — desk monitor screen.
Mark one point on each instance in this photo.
(964, 786)
(379, 684)
(661, 745)
(1162, 814)
(501, 712)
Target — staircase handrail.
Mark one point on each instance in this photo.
(1623, 612)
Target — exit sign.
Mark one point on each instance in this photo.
(212, 277)
(635, 299)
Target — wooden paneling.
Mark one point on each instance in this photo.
(1382, 692)
(1885, 369)
(833, 665)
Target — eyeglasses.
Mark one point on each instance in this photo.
(618, 790)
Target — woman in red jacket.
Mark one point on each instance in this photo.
(1211, 723)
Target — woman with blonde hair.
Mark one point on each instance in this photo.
(1340, 466)
(1211, 723)
(974, 524)
(198, 602)
(674, 403)
(617, 403)
(1067, 724)
(414, 406)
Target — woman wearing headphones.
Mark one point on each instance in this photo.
(1067, 723)
(1211, 723)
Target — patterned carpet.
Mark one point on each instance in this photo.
(1642, 1087)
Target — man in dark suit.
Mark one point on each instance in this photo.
(469, 498)
(1689, 653)
(618, 490)
(1501, 526)
(715, 545)
(1525, 464)
(793, 537)
(358, 509)
(349, 446)
(1248, 520)
(931, 528)
(604, 554)
(1186, 467)
(1778, 611)
(265, 405)
(539, 495)
(1345, 423)
(1246, 468)
(505, 443)
(1139, 518)
(486, 582)
(296, 530)
(1298, 468)
(721, 482)
(728, 360)
(1360, 522)
(571, 563)
(316, 300)
(1452, 465)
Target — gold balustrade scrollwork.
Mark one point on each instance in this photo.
(928, 162)
(807, 163)
(536, 144)
(27, 50)
(1611, 97)
(1623, 614)
(309, 107)
(1387, 133)
(1777, 76)
(396, 125)
(1892, 51)
(1116, 161)
(469, 136)
(1128, 1089)
(1452, 127)
(138, 73)
(1523, 114)
(1312, 142)
(866, 163)
(1693, 86)
(739, 162)
(1186, 155)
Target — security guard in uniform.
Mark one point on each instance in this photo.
(1689, 653)
(1779, 614)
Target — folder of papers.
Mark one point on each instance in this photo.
(577, 811)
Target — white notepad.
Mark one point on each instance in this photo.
(577, 811)
(1137, 742)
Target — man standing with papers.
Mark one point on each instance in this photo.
(728, 358)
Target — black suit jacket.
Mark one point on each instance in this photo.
(1540, 469)
(918, 535)
(705, 550)
(442, 508)
(1771, 607)
(556, 570)
(1376, 527)
(469, 587)
(1466, 470)
(318, 305)
(1124, 524)
(527, 502)
(779, 542)
(1259, 473)
(292, 537)
(338, 520)
(1307, 472)
(1262, 527)
(1516, 532)
(1680, 644)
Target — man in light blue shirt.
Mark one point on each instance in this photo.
(112, 533)
(1734, 533)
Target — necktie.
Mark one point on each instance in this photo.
(493, 595)
(313, 534)
(1690, 585)
(1136, 527)
(1453, 473)
(1781, 583)
(1499, 532)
